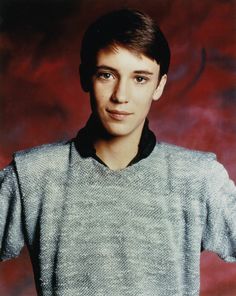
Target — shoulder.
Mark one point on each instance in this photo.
(43, 150)
(43, 157)
(185, 155)
(186, 166)
(180, 161)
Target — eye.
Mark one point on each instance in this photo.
(105, 75)
(141, 79)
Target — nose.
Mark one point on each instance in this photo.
(119, 94)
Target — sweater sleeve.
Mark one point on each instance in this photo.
(219, 234)
(11, 233)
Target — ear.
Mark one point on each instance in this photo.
(84, 78)
(159, 90)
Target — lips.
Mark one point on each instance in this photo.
(118, 114)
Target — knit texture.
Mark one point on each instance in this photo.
(92, 231)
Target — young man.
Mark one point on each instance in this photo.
(111, 212)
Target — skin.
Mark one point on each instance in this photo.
(124, 86)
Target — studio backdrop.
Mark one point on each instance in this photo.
(41, 100)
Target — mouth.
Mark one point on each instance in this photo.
(118, 114)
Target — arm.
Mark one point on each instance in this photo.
(11, 230)
(219, 233)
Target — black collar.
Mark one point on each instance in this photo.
(87, 135)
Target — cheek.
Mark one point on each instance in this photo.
(144, 92)
(144, 99)
(102, 93)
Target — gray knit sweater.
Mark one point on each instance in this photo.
(138, 231)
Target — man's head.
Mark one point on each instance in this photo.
(126, 28)
(124, 62)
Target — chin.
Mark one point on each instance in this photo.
(116, 130)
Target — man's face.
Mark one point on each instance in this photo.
(123, 88)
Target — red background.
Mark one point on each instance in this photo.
(41, 100)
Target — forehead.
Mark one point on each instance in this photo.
(121, 58)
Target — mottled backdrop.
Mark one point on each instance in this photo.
(41, 100)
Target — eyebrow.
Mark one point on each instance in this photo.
(104, 67)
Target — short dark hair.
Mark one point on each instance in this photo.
(128, 28)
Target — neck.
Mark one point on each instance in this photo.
(117, 152)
